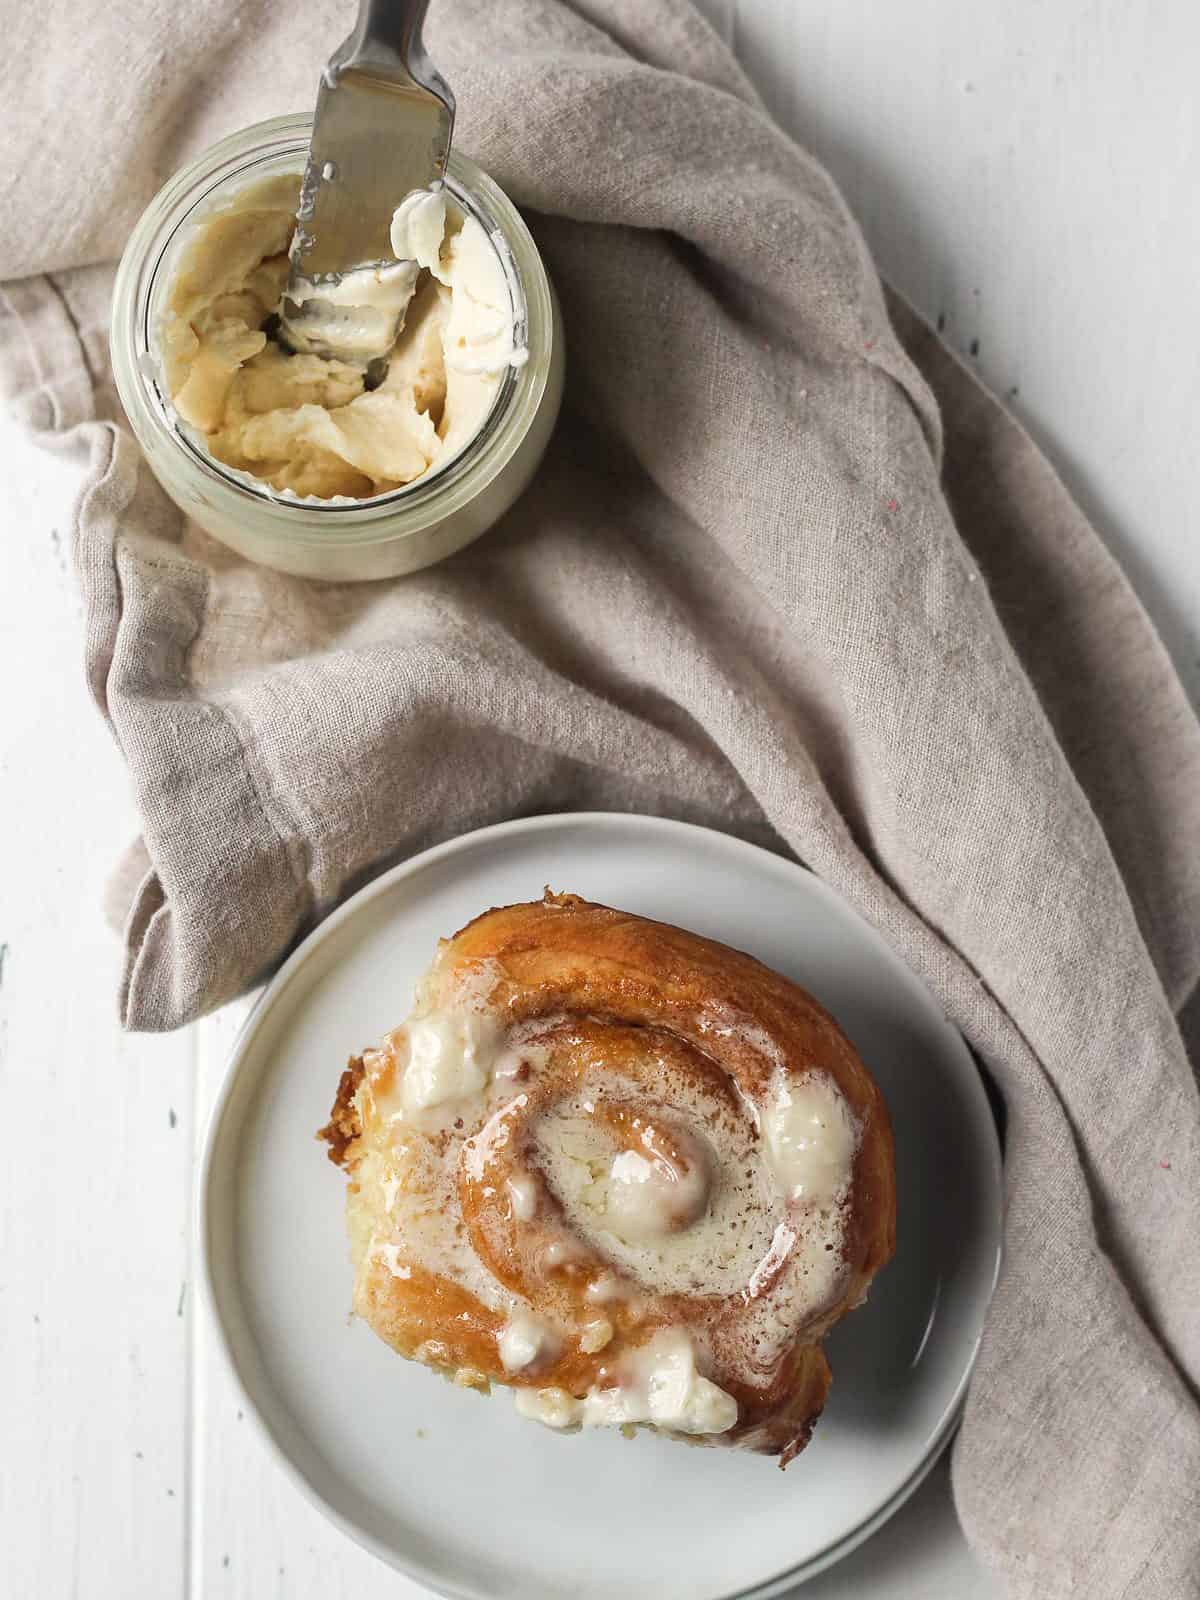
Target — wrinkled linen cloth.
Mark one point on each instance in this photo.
(787, 570)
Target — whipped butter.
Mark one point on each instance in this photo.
(310, 427)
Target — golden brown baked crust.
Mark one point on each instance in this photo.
(344, 1126)
(621, 994)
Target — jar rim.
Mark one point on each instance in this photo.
(409, 509)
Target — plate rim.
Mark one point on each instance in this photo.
(275, 987)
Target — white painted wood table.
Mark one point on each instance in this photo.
(1026, 172)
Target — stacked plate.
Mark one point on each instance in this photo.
(456, 1490)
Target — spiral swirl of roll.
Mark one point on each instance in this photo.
(629, 1172)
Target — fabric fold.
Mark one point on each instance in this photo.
(787, 570)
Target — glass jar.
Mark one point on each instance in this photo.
(342, 539)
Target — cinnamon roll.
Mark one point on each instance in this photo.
(632, 1174)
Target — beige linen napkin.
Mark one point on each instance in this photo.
(787, 569)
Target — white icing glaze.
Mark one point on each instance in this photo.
(783, 1242)
(766, 1225)
(595, 1334)
(605, 1289)
(524, 1341)
(649, 1196)
(554, 1408)
(448, 1055)
(389, 1254)
(518, 1061)
(811, 1137)
(522, 1195)
(559, 1251)
(575, 1153)
(391, 1188)
(657, 1383)
(444, 1054)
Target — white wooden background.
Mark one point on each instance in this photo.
(1029, 173)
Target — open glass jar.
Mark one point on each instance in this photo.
(388, 534)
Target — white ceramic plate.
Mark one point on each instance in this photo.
(455, 1489)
